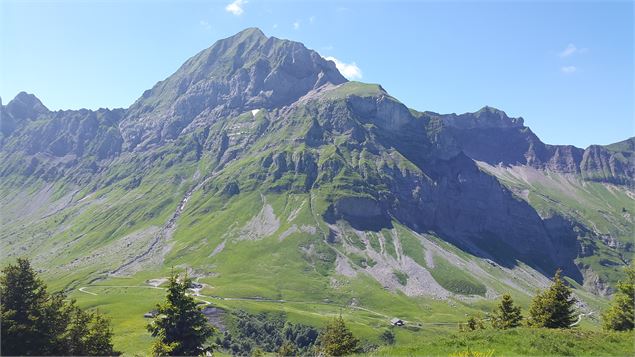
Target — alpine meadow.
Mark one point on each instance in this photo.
(257, 202)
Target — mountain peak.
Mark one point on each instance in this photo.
(243, 72)
(26, 105)
(253, 32)
(486, 117)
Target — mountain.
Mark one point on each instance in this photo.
(261, 169)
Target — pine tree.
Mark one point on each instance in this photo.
(23, 298)
(554, 307)
(35, 322)
(180, 327)
(337, 340)
(506, 315)
(388, 337)
(619, 316)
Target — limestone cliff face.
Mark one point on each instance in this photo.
(490, 135)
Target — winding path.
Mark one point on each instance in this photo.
(200, 297)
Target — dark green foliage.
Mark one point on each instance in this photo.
(619, 316)
(337, 340)
(267, 332)
(506, 315)
(554, 307)
(387, 337)
(287, 349)
(180, 327)
(475, 323)
(35, 322)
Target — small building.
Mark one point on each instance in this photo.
(397, 322)
(195, 285)
(151, 314)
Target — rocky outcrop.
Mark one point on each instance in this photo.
(55, 143)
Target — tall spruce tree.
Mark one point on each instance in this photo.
(337, 340)
(554, 307)
(619, 316)
(180, 327)
(35, 322)
(506, 315)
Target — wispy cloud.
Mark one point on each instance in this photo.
(311, 19)
(570, 50)
(296, 25)
(568, 69)
(348, 70)
(236, 7)
(275, 26)
(205, 25)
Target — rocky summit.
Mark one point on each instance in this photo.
(262, 170)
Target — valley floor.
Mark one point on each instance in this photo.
(436, 333)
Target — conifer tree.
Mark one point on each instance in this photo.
(388, 337)
(23, 298)
(619, 316)
(506, 315)
(554, 307)
(180, 327)
(337, 340)
(35, 322)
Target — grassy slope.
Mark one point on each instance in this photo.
(516, 342)
(299, 268)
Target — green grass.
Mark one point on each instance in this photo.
(455, 280)
(516, 342)
(355, 88)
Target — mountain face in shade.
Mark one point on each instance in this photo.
(257, 150)
(490, 135)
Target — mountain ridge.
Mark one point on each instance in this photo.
(257, 141)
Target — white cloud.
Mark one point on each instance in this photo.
(312, 19)
(296, 25)
(568, 69)
(236, 7)
(275, 26)
(205, 25)
(348, 70)
(570, 50)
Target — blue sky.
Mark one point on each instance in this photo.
(566, 67)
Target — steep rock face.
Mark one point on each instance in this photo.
(53, 143)
(377, 164)
(612, 163)
(491, 136)
(244, 72)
